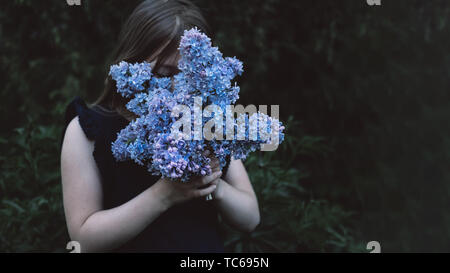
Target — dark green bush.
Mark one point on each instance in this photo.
(292, 219)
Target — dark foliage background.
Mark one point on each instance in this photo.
(363, 90)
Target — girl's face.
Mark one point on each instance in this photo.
(168, 68)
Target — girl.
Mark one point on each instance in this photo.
(119, 206)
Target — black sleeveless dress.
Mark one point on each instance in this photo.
(188, 227)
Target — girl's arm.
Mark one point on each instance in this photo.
(96, 229)
(236, 199)
(102, 230)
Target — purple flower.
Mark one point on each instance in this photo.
(148, 140)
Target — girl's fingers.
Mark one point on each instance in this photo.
(214, 163)
(203, 192)
(207, 179)
(212, 177)
(215, 182)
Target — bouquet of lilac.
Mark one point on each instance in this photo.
(152, 139)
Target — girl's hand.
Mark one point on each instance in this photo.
(214, 163)
(175, 192)
(215, 167)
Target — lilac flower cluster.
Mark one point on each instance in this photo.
(149, 139)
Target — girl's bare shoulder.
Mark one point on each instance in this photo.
(75, 138)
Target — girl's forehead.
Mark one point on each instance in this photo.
(171, 60)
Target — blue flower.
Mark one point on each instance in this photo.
(148, 139)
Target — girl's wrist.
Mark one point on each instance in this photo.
(162, 194)
(219, 192)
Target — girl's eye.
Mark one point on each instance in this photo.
(166, 72)
(161, 74)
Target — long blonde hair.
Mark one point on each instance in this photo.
(153, 30)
